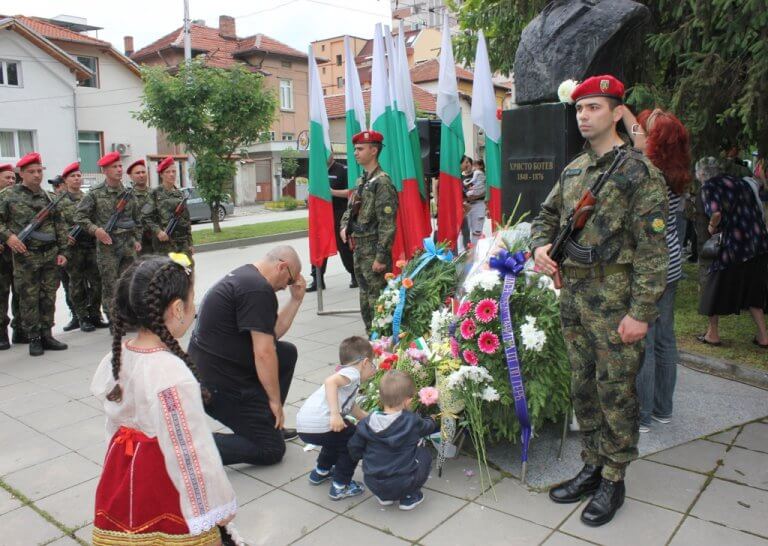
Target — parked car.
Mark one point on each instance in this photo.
(200, 211)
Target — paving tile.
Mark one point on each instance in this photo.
(32, 369)
(59, 416)
(435, 509)
(24, 405)
(343, 530)
(725, 437)
(318, 375)
(561, 539)
(461, 478)
(83, 434)
(680, 486)
(699, 456)
(6, 380)
(95, 452)
(319, 493)
(8, 502)
(28, 451)
(754, 436)
(53, 476)
(737, 506)
(704, 533)
(24, 527)
(85, 533)
(636, 523)
(63, 377)
(300, 391)
(246, 487)
(745, 466)
(266, 521)
(295, 463)
(516, 500)
(74, 507)
(18, 390)
(476, 524)
(13, 431)
(63, 541)
(290, 411)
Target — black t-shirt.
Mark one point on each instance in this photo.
(221, 346)
(337, 175)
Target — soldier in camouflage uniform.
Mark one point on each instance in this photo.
(612, 279)
(57, 183)
(7, 179)
(368, 225)
(161, 207)
(83, 271)
(36, 261)
(115, 251)
(137, 171)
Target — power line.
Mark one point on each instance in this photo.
(321, 2)
(266, 9)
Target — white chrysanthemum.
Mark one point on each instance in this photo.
(565, 90)
(441, 320)
(490, 394)
(487, 279)
(533, 339)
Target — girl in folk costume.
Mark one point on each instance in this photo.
(162, 481)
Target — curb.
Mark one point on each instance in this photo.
(726, 369)
(250, 241)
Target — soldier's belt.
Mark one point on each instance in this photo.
(595, 272)
(42, 237)
(125, 224)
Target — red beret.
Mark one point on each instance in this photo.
(69, 169)
(108, 159)
(164, 164)
(6, 167)
(599, 86)
(28, 159)
(135, 164)
(367, 137)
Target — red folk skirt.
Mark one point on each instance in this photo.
(136, 501)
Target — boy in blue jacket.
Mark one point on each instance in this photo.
(395, 467)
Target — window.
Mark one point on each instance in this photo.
(268, 136)
(323, 70)
(338, 60)
(92, 64)
(322, 47)
(286, 94)
(10, 73)
(325, 91)
(15, 144)
(89, 149)
(339, 82)
(285, 64)
(288, 137)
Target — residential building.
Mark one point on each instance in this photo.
(332, 60)
(417, 14)
(67, 95)
(285, 71)
(420, 45)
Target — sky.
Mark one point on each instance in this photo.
(295, 22)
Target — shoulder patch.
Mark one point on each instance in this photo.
(387, 210)
(572, 172)
(658, 224)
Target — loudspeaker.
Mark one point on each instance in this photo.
(537, 142)
(429, 140)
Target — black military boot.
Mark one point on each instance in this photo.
(353, 282)
(86, 326)
(97, 321)
(5, 344)
(50, 344)
(19, 337)
(313, 286)
(36, 346)
(603, 506)
(586, 482)
(73, 324)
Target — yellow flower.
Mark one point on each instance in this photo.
(389, 276)
(380, 309)
(180, 258)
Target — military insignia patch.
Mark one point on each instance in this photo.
(387, 210)
(658, 225)
(572, 172)
(604, 85)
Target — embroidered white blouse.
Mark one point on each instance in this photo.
(162, 399)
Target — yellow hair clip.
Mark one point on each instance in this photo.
(181, 259)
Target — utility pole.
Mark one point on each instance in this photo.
(187, 37)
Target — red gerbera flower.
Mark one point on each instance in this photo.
(469, 357)
(486, 310)
(488, 342)
(468, 328)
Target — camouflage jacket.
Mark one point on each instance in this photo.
(19, 205)
(97, 206)
(142, 198)
(68, 207)
(159, 210)
(628, 224)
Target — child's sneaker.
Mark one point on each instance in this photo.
(662, 420)
(339, 492)
(316, 477)
(409, 502)
(383, 502)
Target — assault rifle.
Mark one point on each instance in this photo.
(40, 218)
(119, 208)
(177, 212)
(580, 214)
(75, 231)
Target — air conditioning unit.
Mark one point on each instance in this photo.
(122, 148)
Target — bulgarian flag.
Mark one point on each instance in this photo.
(322, 240)
(381, 109)
(484, 110)
(449, 205)
(355, 109)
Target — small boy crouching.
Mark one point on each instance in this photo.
(394, 466)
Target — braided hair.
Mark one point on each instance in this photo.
(144, 292)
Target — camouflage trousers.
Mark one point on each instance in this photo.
(112, 261)
(7, 290)
(603, 370)
(370, 282)
(147, 244)
(84, 281)
(162, 248)
(36, 277)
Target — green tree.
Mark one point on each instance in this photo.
(214, 112)
(289, 160)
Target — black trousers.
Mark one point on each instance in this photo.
(334, 452)
(345, 253)
(255, 440)
(398, 488)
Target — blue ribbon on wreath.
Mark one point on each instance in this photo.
(431, 252)
(510, 266)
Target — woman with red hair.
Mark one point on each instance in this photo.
(664, 140)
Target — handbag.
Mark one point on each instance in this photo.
(711, 248)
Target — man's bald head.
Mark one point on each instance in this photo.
(285, 253)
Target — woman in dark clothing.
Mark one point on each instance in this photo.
(738, 276)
